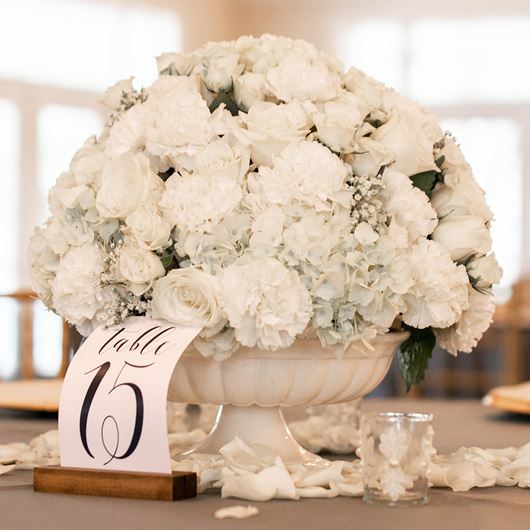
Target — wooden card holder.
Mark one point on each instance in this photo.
(133, 485)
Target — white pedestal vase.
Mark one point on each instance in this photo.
(252, 385)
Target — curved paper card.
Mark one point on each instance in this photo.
(112, 413)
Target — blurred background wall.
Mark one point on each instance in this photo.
(468, 60)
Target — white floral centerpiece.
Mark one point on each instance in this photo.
(257, 190)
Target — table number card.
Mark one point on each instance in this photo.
(112, 413)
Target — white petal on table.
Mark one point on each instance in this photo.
(236, 512)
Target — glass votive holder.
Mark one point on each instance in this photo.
(396, 450)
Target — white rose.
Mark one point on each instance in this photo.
(339, 122)
(266, 303)
(219, 158)
(485, 271)
(427, 121)
(139, 267)
(272, 127)
(188, 297)
(220, 66)
(365, 87)
(113, 95)
(369, 158)
(405, 138)
(463, 236)
(465, 197)
(249, 88)
(199, 202)
(465, 334)
(147, 225)
(127, 183)
(296, 78)
(455, 165)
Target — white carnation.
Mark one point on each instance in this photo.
(407, 205)
(178, 117)
(296, 78)
(266, 303)
(128, 132)
(440, 291)
(249, 88)
(43, 264)
(465, 334)
(76, 287)
(199, 202)
(307, 172)
(113, 95)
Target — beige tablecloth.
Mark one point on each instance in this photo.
(457, 423)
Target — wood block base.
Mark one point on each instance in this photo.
(134, 485)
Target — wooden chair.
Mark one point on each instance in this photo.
(26, 301)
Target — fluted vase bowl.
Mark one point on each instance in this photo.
(252, 386)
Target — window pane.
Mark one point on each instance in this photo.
(480, 59)
(376, 47)
(61, 130)
(9, 338)
(493, 148)
(47, 341)
(9, 206)
(82, 44)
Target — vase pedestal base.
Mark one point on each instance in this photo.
(255, 425)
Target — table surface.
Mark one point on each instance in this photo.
(456, 423)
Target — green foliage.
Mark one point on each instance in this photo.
(426, 180)
(414, 355)
(224, 97)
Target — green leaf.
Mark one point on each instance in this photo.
(439, 161)
(414, 355)
(425, 181)
(224, 97)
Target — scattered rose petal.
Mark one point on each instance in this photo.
(236, 512)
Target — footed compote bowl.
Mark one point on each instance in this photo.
(252, 385)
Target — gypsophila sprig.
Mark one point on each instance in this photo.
(259, 191)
